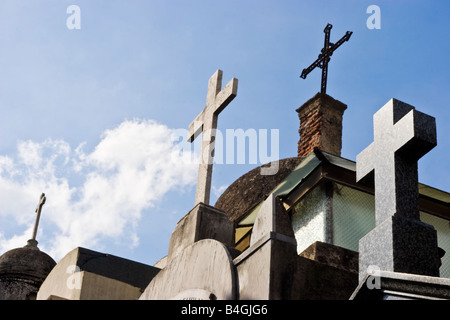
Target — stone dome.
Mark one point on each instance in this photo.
(251, 188)
(22, 271)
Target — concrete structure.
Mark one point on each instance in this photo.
(203, 270)
(202, 222)
(84, 274)
(386, 285)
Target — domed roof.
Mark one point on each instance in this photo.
(252, 188)
(26, 262)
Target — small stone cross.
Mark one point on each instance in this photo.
(402, 135)
(206, 121)
(32, 242)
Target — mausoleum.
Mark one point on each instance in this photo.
(295, 234)
(319, 227)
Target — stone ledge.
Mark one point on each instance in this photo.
(405, 286)
(332, 255)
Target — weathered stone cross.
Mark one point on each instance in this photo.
(402, 135)
(206, 121)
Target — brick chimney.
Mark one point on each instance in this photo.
(320, 125)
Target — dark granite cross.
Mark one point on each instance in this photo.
(399, 242)
(324, 56)
(216, 100)
(402, 135)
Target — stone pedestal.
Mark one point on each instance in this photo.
(199, 263)
(202, 271)
(266, 269)
(401, 245)
(385, 285)
(202, 222)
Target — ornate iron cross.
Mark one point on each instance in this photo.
(324, 56)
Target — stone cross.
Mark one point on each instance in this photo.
(402, 135)
(325, 56)
(206, 121)
(400, 242)
(32, 242)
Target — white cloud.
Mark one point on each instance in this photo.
(219, 190)
(93, 196)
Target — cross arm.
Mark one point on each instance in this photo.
(195, 127)
(316, 63)
(222, 99)
(327, 36)
(345, 38)
(326, 53)
(416, 134)
(226, 95)
(41, 203)
(365, 165)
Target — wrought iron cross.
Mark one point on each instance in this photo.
(324, 56)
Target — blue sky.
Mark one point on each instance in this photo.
(87, 114)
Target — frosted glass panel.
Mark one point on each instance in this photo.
(308, 220)
(353, 216)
